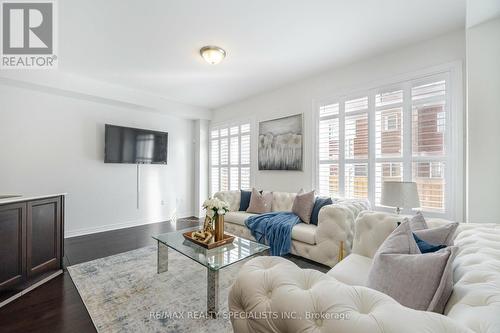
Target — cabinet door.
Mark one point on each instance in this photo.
(43, 226)
(12, 245)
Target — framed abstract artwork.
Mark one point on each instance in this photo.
(281, 144)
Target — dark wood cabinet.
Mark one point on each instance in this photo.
(43, 236)
(12, 245)
(31, 243)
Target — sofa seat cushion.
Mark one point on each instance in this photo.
(353, 270)
(301, 232)
(237, 217)
(305, 233)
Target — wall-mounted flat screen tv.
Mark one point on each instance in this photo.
(135, 146)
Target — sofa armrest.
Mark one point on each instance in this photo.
(335, 229)
(272, 294)
(370, 231)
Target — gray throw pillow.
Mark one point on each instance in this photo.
(260, 203)
(303, 205)
(415, 280)
(417, 222)
(442, 235)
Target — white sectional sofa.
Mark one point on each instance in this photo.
(339, 302)
(319, 243)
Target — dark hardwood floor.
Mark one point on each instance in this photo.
(56, 306)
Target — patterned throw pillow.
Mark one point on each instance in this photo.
(303, 205)
(418, 281)
(260, 203)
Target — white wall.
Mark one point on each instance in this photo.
(55, 143)
(483, 109)
(299, 97)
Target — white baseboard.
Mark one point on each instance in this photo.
(115, 226)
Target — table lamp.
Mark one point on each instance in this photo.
(400, 195)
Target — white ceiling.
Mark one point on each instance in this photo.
(479, 11)
(152, 45)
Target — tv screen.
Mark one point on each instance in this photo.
(135, 146)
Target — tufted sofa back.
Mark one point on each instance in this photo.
(372, 228)
(282, 201)
(233, 198)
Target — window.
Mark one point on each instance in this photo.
(441, 122)
(436, 170)
(387, 134)
(391, 121)
(230, 157)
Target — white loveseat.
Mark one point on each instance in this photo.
(319, 243)
(339, 302)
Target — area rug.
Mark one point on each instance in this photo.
(123, 293)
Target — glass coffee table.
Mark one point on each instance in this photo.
(214, 259)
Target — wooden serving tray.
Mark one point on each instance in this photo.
(228, 239)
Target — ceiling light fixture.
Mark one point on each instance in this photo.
(212, 54)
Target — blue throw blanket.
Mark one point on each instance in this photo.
(273, 229)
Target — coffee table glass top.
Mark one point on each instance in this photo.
(215, 258)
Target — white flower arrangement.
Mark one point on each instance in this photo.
(215, 206)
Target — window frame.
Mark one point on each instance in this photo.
(228, 166)
(454, 133)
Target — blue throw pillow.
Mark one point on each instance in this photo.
(318, 203)
(245, 200)
(427, 247)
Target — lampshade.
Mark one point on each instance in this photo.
(400, 194)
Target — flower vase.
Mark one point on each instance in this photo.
(219, 227)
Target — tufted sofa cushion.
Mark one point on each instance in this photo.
(319, 303)
(283, 201)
